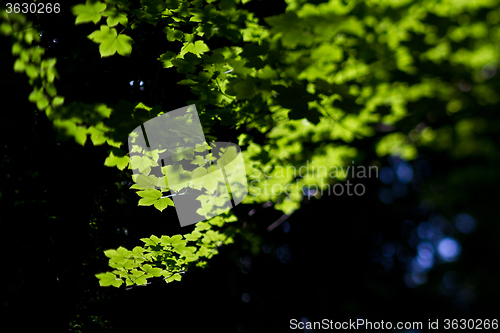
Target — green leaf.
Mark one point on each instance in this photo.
(80, 135)
(90, 12)
(232, 218)
(214, 235)
(109, 279)
(199, 47)
(98, 137)
(149, 194)
(199, 160)
(187, 64)
(145, 182)
(151, 271)
(396, 144)
(200, 226)
(120, 162)
(147, 202)
(210, 181)
(186, 154)
(58, 101)
(195, 235)
(149, 241)
(204, 251)
(167, 58)
(115, 17)
(138, 250)
(175, 277)
(218, 221)
(110, 42)
(155, 239)
(19, 65)
(172, 34)
(149, 197)
(174, 240)
(245, 89)
(42, 103)
(184, 250)
(163, 203)
(119, 252)
(144, 161)
(139, 277)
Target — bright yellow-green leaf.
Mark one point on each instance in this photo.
(120, 162)
(110, 42)
(199, 47)
(114, 17)
(163, 203)
(109, 279)
(90, 12)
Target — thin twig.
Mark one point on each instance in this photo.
(279, 221)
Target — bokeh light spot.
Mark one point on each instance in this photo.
(404, 172)
(425, 231)
(449, 249)
(465, 223)
(386, 175)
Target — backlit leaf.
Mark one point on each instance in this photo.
(110, 42)
(163, 203)
(90, 12)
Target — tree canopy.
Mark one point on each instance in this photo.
(339, 89)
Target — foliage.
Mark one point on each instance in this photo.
(166, 257)
(307, 83)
